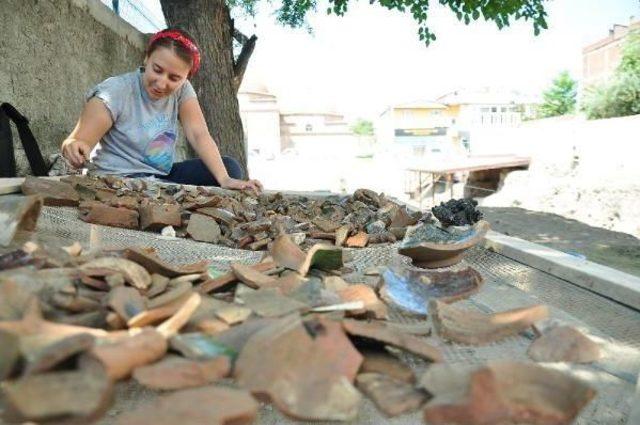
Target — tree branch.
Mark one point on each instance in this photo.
(239, 37)
(240, 65)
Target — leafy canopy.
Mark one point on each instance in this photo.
(620, 96)
(362, 127)
(560, 98)
(502, 12)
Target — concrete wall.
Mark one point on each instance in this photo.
(52, 52)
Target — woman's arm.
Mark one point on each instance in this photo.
(94, 123)
(197, 133)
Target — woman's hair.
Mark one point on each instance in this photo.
(180, 42)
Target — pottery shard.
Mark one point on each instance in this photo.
(122, 357)
(387, 364)
(268, 302)
(381, 332)
(251, 277)
(342, 233)
(196, 406)
(18, 213)
(157, 216)
(79, 395)
(154, 264)
(55, 193)
(129, 202)
(136, 275)
(564, 344)
(175, 373)
(391, 396)
(325, 225)
(203, 228)
(471, 327)
(97, 213)
(359, 240)
(361, 292)
(9, 353)
(219, 214)
(57, 352)
(283, 376)
(506, 392)
(126, 301)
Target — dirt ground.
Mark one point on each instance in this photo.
(613, 249)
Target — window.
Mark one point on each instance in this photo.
(494, 109)
(308, 128)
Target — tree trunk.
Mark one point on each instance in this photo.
(209, 23)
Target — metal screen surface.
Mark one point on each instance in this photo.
(508, 284)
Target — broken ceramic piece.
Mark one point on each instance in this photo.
(197, 406)
(55, 193)
(381, 361)
(506, 392)
(126, 301)
(251, 277)
(392, 397)
(430, 246)
(98, 213)
(51, 355)
(156, 216)
(283, 374)
(381, 332)
(564, 344)
(136, 275)
(121, 357)
(201, 346)
(230, 277)
(18, 213)
(9, 353)
(80, 395)
(373, 307)
(410, 290)
(474, 328)
(173, 292)
(289, 255)
(359, 240)
(174, 372)
(233, 314)
(203, 228)
(268, 302)
(171, 326)
(154, 264)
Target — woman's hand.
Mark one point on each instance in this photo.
(237, 184)
(76, 152)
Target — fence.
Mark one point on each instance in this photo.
(145, 16)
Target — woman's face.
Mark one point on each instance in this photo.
(164, 73)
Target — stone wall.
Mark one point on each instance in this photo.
(52, 52)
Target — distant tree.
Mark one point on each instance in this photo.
(362, 127)
(620, 96)
(560, 98)
(210, 22)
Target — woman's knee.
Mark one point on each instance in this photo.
(234, 169)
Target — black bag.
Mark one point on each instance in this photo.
(29, 143)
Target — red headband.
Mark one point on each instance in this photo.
(188, 44)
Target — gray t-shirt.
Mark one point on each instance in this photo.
(144, 132)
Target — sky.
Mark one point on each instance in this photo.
(361, 63)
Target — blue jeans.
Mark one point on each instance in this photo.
(195, 172)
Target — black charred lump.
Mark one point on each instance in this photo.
(457, 212)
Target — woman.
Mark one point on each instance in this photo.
(135, 117)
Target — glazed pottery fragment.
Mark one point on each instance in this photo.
(201, 346)
(289, 255)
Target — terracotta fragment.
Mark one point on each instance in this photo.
(268, 302)
(9, 353)
(154, 264)
(564, 344)
(136, 275)
(55, 193)
(385, 334)
(212, 326)
(410, 290)
(158, 285)
(471, 327)
(126, 301)
(230, 277)
(57, 352)
(156, 216)
(359, 240)
(172, 293)
(151, 316)
(391, 396)
(250, 277)
(361, 292)
(18, 213)
(325, 225)
(342, 233)
(129, 202)
(97, 213)
(283, 374)
(335, 283)
(174, 373)
(172, 325)
(233, 314)
(430, 246)
(219, 214)
(80, 395)
(289, 255)
(386, 364)
(123, 356)
(203, 228)
(198, 406)
(504, 393)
